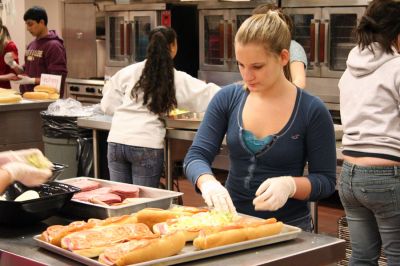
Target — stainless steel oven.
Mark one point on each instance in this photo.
(218, 24)
(325, 29)
(86, 91)
(127, 28)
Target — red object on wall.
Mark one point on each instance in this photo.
(166, 18)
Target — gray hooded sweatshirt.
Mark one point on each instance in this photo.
(370, 102)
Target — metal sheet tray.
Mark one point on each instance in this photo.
(157, 198)
(189, 252)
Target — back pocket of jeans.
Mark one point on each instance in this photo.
(112, 152)
(382, 201)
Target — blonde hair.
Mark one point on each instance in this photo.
(266, 29)
(269, 30)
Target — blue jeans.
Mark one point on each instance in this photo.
(135, 165)
(305, 223)
(371, 198)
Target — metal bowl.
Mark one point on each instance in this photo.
(53, 196)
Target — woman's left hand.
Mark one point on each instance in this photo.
(274, 192)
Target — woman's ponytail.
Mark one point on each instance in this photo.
(157, 79)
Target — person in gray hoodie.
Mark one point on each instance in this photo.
(369, 185)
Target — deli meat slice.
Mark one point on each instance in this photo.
(107, 198)
(86, 195)
(126, 191)
(85, 185)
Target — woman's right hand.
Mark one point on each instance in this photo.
(26, 174)
(20, 156)
(216, 195)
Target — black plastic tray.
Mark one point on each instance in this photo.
(53, 196)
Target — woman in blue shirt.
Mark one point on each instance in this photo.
(272, 130)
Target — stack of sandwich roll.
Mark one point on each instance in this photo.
(42, 92)
(9, 96)
(153, 233)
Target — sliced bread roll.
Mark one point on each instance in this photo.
(54, 96)
(10, 98)
(36, 95)
(44, 88)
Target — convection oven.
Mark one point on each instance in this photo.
(127, 29)
(218, 24)
(325, 29)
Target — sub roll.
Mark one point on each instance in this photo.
(225, 235)
(140, 250)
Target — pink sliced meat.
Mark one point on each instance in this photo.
(86, 195)
(126, 191)
(85, 185)
(108, 198)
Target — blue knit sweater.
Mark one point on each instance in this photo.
(308, 137)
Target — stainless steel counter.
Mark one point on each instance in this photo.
(21, 125)
(306, 250)
(25, 105)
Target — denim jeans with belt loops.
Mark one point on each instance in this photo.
(135, 165)
(371, 198)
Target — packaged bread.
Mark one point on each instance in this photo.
(36, 95)
(45, 88)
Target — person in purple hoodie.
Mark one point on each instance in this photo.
(46, 54)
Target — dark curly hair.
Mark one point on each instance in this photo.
(381, 24)
(157, 79)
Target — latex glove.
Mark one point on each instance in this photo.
(9, 60)
(28, 175)
(273, 193)
(216, 195)
(21, 156)
(25, 80)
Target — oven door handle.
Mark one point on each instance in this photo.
(222, 42)
(314, 26)
(128, 38)
(323, 42)
(229, 40)
(122, 38)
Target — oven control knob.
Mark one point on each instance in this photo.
(90, 90)
(74, 88)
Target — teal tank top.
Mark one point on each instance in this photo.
(253, 143)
